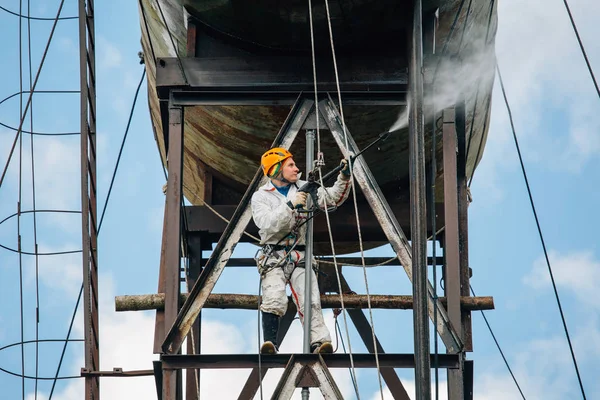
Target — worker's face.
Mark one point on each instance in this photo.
(290, 171)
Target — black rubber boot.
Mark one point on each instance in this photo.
(270, 323)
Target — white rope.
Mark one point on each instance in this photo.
(325, 205)
(362, 255)
(381, 264)
(314, 67)
(204, 203)
(341, 292)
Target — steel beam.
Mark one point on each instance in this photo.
(264, 75)
(463, 222)
(343, 226)
(342, 360)
(278, 96)
(416, 140)
(387, 220)
(305, 374)
(89, 227)
(231, 236)
(195, 263)
(451, 242)
(172, 238)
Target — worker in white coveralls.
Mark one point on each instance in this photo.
(276, 210)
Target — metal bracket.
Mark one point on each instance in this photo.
(306, 373)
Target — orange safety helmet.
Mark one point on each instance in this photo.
(271, 161)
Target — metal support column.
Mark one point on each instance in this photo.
(195, 263)
(87, 60)
(463, 221)
(310, 157)
(418, 221)
(451, 239)
(172, 238)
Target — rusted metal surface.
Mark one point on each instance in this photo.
(89, 211)
(418, 207)
(463, 223)
(224, 249)
(228, 301)
(451, 242)
(172, 238)
(388, 221)
(229, 140)
(116, 373)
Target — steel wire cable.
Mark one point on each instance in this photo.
(326, 208)
(112, 180)
(35, 240)
(499, 348)
(23, 114)
(29, 18)
(20, 201)
(143, 12)
(98, 234)
(539, 229)
(585, 56)
(175, 48)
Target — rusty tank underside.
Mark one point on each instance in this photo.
(223, 143)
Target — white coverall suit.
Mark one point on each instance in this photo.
(275, 219)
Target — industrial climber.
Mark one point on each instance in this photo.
(277, 212)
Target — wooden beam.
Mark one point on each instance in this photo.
(250, 302)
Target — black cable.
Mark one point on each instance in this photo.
(489, 23)
(39, 92)
(12, 128)
(98, 234)
(23, 376)
(537, 222)
(67, 340)
(20, 201)
(112, 181)
(35, 240)
(587, 61)
(462, 35)
(499, 348)
(175, 48)
(39, 211)
(147, 31)
(27, 253)
(34, 18)
(8, 346)
(62, 2)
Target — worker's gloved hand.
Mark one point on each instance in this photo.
(299, 201)
(345, 172)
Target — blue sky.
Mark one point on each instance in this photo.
(554, 105)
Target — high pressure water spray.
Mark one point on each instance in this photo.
(312, 184)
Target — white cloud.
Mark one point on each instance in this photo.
(109, 55)
(546, 81)
(575, 271)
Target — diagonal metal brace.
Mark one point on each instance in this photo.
(231, 236)
(299, 372)
(387, 220)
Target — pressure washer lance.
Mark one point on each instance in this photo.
(312, 184)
